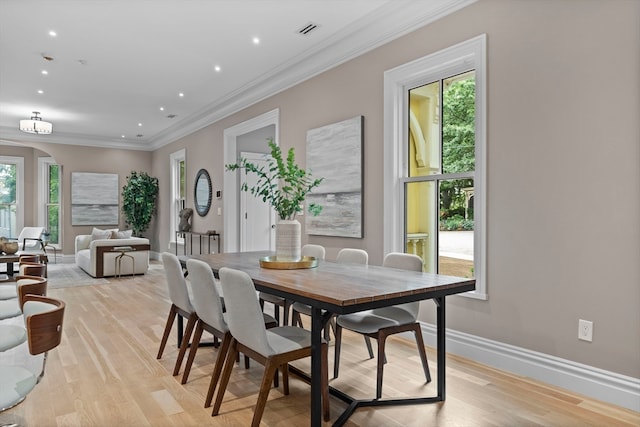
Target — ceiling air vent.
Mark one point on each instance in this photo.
(305, 30)
(139, 135)
(172, 116)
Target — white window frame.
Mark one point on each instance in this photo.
(19, 162)
(174, 166)
(470, 54)
(43, 195)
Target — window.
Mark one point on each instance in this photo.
(11, 195)
(178, 190)
(435, 161)
(49, 212)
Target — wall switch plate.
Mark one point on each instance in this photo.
(585, 330)
(219, 211)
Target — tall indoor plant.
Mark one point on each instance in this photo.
(284, 185)
(139, 201)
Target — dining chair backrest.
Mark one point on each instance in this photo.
(176, 283)
(30, 285)
(32, 269)
(405, 262)
(43, 318)
(315, 251)
(29, 258)
(206, 299)
(244, 315)
(352, 256)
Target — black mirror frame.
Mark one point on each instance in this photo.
(202, 210)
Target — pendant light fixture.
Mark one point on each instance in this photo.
(36, 125)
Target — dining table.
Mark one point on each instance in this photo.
(331, 288)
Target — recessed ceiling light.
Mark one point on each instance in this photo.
(181, 94)
(161, 108)
(41, 91)
(45, 72)
(53, 33)
(256, 40)
(139, 124)
(122, 136)
(217, 68)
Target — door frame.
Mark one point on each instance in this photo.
(231, 181)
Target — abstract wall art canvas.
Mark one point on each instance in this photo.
(94, 198)
(335, 153)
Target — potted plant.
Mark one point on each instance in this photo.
(284, 185)
(139, 201)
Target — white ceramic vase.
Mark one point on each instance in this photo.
(288, 240)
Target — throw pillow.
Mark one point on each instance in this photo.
(98, 234)
(124, 234)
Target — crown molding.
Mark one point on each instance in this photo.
(393, 20)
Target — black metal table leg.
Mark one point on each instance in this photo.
(316, 367)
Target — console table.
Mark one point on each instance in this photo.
(188, 236)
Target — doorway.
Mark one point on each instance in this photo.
(248, 136)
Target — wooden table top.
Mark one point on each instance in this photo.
(340, 288)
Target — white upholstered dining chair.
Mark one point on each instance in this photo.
(180, 306)
(207, 302)
(43, 319)
(345, 256)
(379, 323)
(274, 347)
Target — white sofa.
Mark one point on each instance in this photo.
(98, 256)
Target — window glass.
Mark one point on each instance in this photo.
(439, 218)
(8, 220)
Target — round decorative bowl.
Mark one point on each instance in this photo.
(10, 248)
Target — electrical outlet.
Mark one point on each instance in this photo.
(585, 330)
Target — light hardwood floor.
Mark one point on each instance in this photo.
(105, 374)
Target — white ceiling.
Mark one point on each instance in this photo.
(117, 62)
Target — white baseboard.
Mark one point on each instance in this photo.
(596, 383)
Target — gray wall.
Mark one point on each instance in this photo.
(563, 168)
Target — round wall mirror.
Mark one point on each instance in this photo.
(202, 192)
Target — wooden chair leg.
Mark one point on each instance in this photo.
(286, 308)
(224, 379)
(285, 378)
(192, 351)
(423, 355)
(191, 322)
(265, 387)
(336, 356)
(296, 319)
(167, 330)
(382, 339)
(217, 368)
(367, 341)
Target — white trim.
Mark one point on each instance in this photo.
(174, 158)
(470, 54)
(593, 382)
(231, 203)
(392, 20)
(43, 189)
(19, 162)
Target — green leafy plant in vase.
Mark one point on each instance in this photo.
(283, 185)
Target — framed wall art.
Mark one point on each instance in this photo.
(335, 153)
(94, 198)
